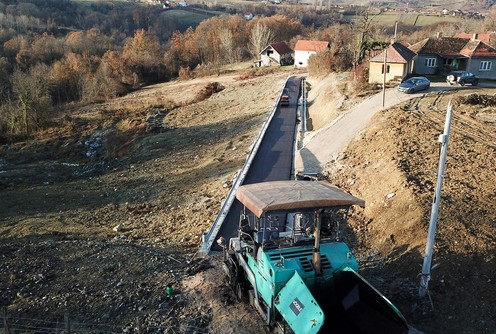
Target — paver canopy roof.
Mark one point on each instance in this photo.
(261, 198)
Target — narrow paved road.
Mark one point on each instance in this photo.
(325, 145)
(274, 158)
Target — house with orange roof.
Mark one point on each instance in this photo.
(304, 49)
(399, 64)
(441, 55)
(486, 38)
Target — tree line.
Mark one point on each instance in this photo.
(57, 51)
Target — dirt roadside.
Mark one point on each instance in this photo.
(393, 165)
(98, 218)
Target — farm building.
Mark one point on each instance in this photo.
(278, 53)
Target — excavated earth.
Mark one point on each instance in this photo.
(100, 216)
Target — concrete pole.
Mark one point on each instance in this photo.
(384, 79)
(426, 268)
(395, 31)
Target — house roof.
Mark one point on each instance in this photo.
(477, 48)
(304, 45)
(444, 46)
(280, 47)
(454, 47)
(486, 38)
(396, 53)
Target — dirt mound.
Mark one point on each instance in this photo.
(326, 99)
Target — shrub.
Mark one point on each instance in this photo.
(208, 90)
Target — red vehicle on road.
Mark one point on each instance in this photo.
(285, 97)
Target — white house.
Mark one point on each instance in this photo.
(278, 53)
(304, 49)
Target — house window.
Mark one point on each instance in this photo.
(430, 62)
(388, 68)
(485, 65)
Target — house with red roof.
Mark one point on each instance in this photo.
(486, 38)
(278, 53)
(304, 49)
(399, 64)
(441, 55)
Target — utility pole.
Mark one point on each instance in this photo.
(395, 30)
(426, 268)
(384, 79)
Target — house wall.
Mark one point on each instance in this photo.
(266, 56)
(301, 58)
(265, 59)
(474, 66)
(411, 63)
(395, 70)
(421, 68)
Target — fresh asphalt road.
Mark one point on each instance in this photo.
(274, 158)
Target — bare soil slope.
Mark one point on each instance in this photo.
(393, 167)
(97, 218)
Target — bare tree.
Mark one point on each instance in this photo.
(490, 21)
(227, 42)
(260, 37)
(4, 77)
(31, 92)
(363, 32)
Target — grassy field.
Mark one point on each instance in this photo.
(409, 19)
(185, 18)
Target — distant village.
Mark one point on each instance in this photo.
(426, 10)
(169, 4)
(381, 6)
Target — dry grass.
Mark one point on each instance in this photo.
(256, 72)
